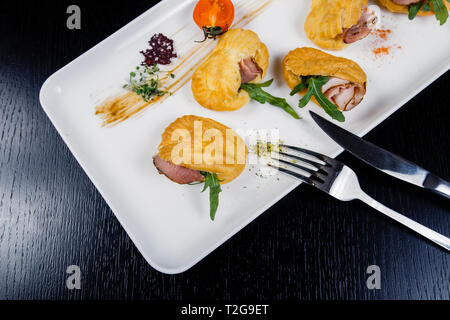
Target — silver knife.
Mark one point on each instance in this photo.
(382, 159)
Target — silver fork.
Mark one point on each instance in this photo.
(341, 182)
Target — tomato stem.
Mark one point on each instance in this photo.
(211, 32)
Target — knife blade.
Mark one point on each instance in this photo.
(382, 159)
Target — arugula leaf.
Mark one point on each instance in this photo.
(262, 84)
(305, 99)
(213, 182)
(320, 82)
(315, 84)
(440, 11)
(258, 94)
(413, 9)
(302, 85)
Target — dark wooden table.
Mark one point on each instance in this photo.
(307, 246)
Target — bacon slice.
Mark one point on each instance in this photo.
(249, 70)
(344, 94)
(333, 82)
(406, 2)
(176, 173)
(361, 29)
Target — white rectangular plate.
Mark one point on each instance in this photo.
(170, 223)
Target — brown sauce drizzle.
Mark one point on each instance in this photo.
(120, 108)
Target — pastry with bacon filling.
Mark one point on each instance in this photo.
(414, 8)
(335, 83)
(200, 150)
(334, 24)
(239, 57)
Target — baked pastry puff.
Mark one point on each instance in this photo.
(191, 145)
(333, 24)
(346, 84)
(401, 6)
(239, 57)
(196, 150)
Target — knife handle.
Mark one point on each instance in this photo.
(437, 185)
(432, 235)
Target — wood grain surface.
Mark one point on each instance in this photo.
(307, 246)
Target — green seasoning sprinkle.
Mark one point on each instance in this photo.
(264, 148)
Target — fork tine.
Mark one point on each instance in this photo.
(294, 174)
(296, 165)
(313, 163)
(311, 153)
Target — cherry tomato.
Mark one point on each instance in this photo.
(214, 17)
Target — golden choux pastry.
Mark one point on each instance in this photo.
(398, 8)
(201, 144)
(313, 62)
(328, 20)
(216, 82)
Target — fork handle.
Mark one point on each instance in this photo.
(432, 235)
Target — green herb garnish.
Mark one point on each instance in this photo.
(302, 85)
(314, 85)
(440, 10)
(413, 9)
(211, 33)
(145, 82)
(213, 182)
(258, 94)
